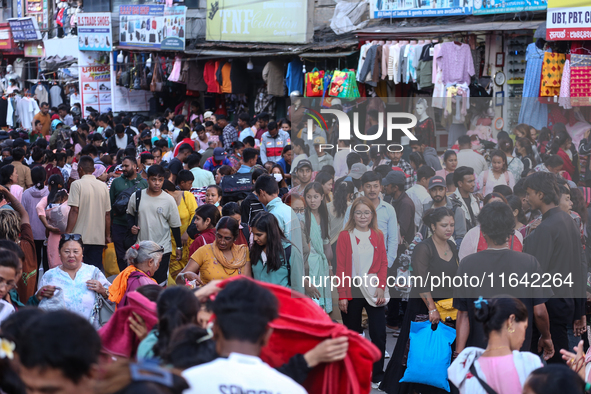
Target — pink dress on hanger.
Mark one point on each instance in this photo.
(176, 70)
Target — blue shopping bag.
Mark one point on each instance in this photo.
(429, 354)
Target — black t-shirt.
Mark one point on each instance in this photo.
(468, 202)
(175, 166)
(507, 263)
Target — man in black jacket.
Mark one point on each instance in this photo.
(120, 140)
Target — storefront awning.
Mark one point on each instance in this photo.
(469, 28)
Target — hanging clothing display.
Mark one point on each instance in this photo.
(580, 74)
(294, 77)
(209, 77)
(42, 93)
(553, 65)
(456, 62)
(56, 95)
(564, 99)
(533, 112)
(239, 77)
(273, 77)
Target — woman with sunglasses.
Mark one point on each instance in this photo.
(76, 284)
(219, 260)
(143, 260)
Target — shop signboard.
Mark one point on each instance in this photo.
(272, 21)
(568, 20)
(419, 8)
(94, 31)
(152, 27)
(25, 29)
(32, 49)
(95, 81)
(486, 7)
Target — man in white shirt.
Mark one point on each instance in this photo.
(467, 157)
(243, 311)
(419, 193)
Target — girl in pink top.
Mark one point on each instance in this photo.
(450, 163)
(501, 365)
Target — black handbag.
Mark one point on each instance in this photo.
(131, 238)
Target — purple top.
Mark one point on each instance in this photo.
(30, 199)
(136, 279)
(456, 63)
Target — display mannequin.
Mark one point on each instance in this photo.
(10, 74)
(425, 127)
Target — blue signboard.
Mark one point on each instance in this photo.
(25, 29)
(419, 8)
(485, 7)
(94, 31)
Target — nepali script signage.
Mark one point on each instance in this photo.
(419, 8)
(568, 20)
(272, 21)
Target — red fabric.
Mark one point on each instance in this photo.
(205, 238)
(117, 338)
(483, 245)
(209, 77)
(184, 141)
(345, 261)
(301, 326)
(51, 170)
(241, 240)
(568, 164)
(260, 133)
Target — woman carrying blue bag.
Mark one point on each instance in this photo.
(435, 256)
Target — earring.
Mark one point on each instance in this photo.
(511, 329)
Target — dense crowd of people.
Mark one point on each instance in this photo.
(127, 249)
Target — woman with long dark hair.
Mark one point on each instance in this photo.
(31, 197)
(279, 175)
(202, 229)
(524, 149)
(343, 196)
(435, 256)
(9, 179)
(274, 259)
(561, 146)
(498, 174)
(514, 165)
(450, 163)
(517, 209)
(221, 259)
(176, 306)
(317, 244)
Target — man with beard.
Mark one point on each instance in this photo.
(131, 180)
(438, 192)
(396, 160)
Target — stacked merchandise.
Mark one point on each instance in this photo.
(342, 84)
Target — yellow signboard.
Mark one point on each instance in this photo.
(272, 21)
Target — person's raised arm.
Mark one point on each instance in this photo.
(16, 205)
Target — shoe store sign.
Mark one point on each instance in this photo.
(152, 27)
(94, 32)
(568, 20)
(272, 21)
(95, 81)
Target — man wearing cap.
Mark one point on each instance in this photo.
(419, 193)
(303, 175)
(273, 142)
(322, 157)
(438, 191)
(217, 160)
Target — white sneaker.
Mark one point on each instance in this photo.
(386, 354)
(376, 386)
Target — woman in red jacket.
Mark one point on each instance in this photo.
(362, 265)
(561, 147)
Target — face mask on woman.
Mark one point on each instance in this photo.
(217, 204)
(278, 177)
(300, 216)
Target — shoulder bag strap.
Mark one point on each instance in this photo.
(484, 179)
(484, 385)
(507, 177)
(138, 198)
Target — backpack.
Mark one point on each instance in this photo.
(120, 205)
(236, 187)
(137, 120)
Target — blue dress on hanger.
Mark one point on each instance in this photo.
(533, 112)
